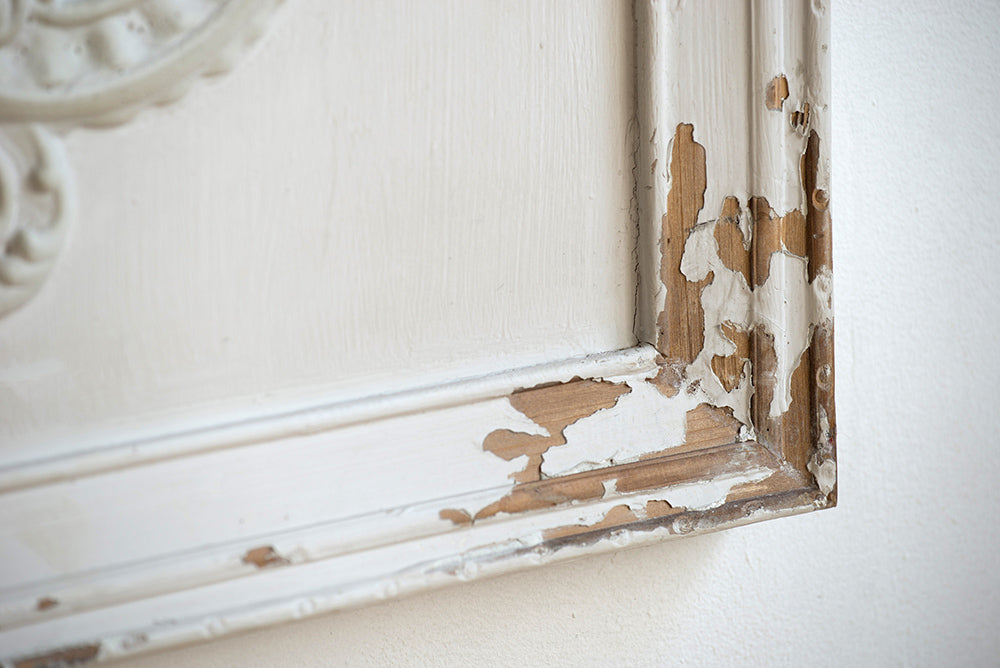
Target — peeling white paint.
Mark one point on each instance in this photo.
(786, 305)
(822, 466)
(726, 299)
(349, 579)
(317, 419)
(774, 147)
(825, 473)
(506, 417)
(705, 495)
(334, 492)
(642, 421)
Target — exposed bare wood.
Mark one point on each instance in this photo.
(668, 378)
(817, 210)
(701, 464)
(776, 93)
(616, 517)
(264, 557)
(795, 433)
(799, 119)
(729, 370)
(553, 407)
(742, 508)
(455, 516)
(707, 427)
(734, 247)
(821, 353)
(789, 433)
(771, 233)
(682, 322)
(749, 498)
(71, 656)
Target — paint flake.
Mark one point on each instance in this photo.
(643, 421)
(264, 557)
(706, 495)
(776, 93)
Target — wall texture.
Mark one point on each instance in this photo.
(903, 572)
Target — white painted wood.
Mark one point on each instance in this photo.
(295, 476)
(293, 306)
(415, 192)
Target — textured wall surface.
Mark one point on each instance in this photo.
(903, 572)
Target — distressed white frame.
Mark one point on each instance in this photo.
(675, 451)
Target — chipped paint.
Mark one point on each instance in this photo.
(730, 369)
(799, 119)
(825, 473)
(705, 495)
(554, 409)
(628, 420)
(643, 421)
(70, 656)
(666, 445)
(712, 451)
(788, 307)
(46, 603)
(782, 300)
(822, 464)
(455, 516)
(776, 93)
(264, 557)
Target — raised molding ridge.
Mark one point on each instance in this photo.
(318, 419)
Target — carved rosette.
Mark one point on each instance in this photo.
(69, 63)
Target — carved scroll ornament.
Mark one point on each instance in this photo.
(92, 63)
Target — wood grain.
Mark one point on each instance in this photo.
(703, 463)
(734, 247)
(682, 323)
(553, 407)
(776, 93)
(821, 352)
(729, 369)
(771, 233)
(706, 427)
(795, 433)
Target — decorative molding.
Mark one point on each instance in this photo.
(71, 63)
(36, 204)
(721, 416)
(98, 62)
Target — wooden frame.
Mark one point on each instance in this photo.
(723, 415)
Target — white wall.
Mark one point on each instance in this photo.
(903, 572)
